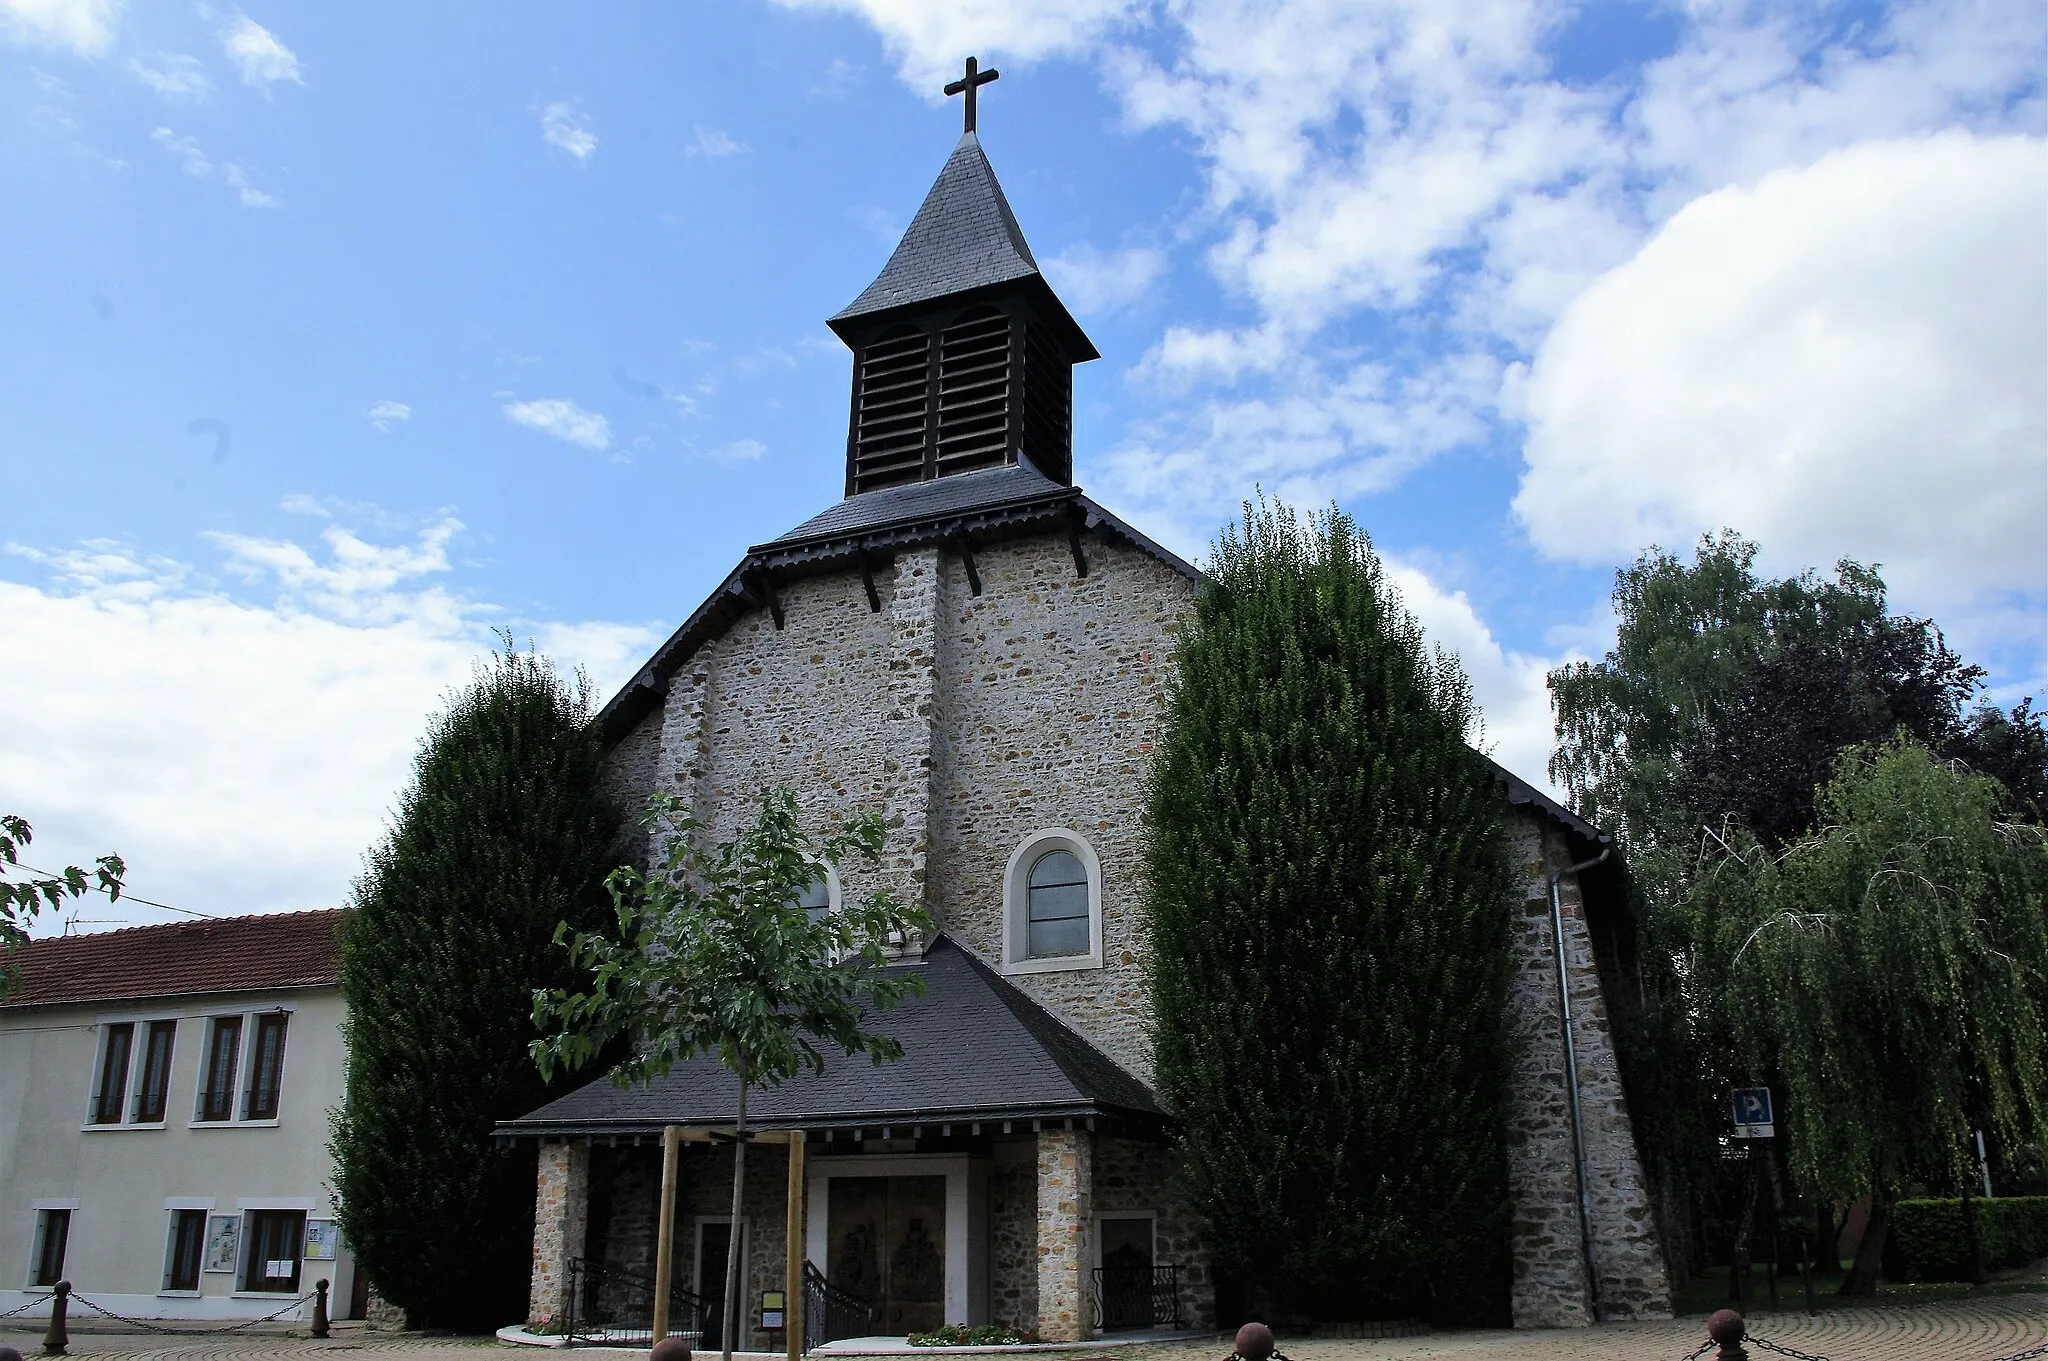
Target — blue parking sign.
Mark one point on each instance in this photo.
(1753, 1113)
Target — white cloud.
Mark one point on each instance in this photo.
(929, 37)
(1844, 359)
(1406, 188)
(196, 164)
(242, 750)
(383, 415)
(1092, 281)
(563, 419)
(565, 126)
(742, 450)
(258, 55)
(84, 26)
(712, 144)
(173, 75)
(1514, 701)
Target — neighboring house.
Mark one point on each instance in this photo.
(972, 647)
(163, 1119)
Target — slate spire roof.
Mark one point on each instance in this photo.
(964, 236)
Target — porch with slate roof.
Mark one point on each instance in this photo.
(971, 1182)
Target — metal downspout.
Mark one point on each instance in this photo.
(1571, 1070)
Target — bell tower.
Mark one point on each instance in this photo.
(963, 357)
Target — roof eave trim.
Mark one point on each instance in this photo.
(848, 1120)
(112, 999)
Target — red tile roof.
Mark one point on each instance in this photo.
(233, 954)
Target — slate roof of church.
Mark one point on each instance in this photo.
(975, 1048)
(233, 954)
(963, 493)
(963, 237)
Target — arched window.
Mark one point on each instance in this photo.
(816, 899)
(1052, 904)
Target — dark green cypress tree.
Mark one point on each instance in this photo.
(504, 832)
(1329, 898)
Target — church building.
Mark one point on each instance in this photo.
(967, 643)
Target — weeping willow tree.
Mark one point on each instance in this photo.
(1892, 968)
(1328, 900)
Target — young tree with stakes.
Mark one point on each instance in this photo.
(715, 955)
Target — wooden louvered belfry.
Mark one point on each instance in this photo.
(963, 355)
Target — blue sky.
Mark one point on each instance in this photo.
(340, 336)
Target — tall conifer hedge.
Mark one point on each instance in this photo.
(1329, 898)
(504, 832)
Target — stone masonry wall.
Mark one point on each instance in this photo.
(629, 776)
(1065, 1177)
(1132, 1175)
(1013, 1234)
(561, 1202)
(1550, 1288)
(805, 707)
(1050, 693)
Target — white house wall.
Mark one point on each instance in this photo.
(120, 1177)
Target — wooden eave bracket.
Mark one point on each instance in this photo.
(867, 580)
(762, 586)
(1074, 542)
(966, 551)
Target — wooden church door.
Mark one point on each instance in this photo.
(889, 1246)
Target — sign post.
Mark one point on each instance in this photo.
(1753, 1113)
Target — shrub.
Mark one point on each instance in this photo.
(1329, 900)
(1932, 1246)
(504, 832)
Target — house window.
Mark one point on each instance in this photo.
(188, 1240)
(217, 1087)
(153, 1092)
(272, 1239)
(266, 1067)
(112, 1092)
(1052, 904)
(53, 1234)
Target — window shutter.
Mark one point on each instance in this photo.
(974, 392)
(891, 396)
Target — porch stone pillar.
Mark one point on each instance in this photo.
(1066, 1177)
(561, 1211)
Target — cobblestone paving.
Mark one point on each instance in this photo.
(1970, 1330)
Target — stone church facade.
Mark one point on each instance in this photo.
(970, 645)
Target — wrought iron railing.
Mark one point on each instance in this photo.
(608, 1306)
(1137, 1297)
(831, 1312)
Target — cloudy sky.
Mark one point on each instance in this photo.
(340, 335)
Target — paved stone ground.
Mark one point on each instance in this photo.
(1965, 1330)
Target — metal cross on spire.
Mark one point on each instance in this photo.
(967, 84)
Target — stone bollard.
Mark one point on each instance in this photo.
(1727, 1328)
(670, 1349)
(58, 1339)
(320, 1328)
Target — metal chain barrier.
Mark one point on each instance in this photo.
(149, 1327)
(1769, 1346)
(1696, 1353)
(23, 1309)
